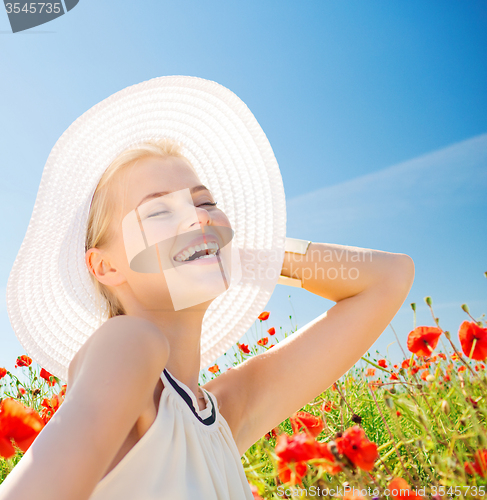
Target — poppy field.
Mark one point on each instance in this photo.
(415, 429)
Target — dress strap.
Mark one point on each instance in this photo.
(208, 420)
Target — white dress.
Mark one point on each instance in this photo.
(186, 454)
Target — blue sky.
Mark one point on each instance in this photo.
(376, 111)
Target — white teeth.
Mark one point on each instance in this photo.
(212, 246)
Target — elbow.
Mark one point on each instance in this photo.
(402, 273)
(407, 265)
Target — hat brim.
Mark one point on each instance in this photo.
(51, 299)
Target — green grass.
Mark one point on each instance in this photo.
(426, 427)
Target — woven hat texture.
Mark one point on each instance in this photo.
(51, 299)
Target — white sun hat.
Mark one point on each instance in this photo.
(51, 299)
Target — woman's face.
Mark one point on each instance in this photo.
(165, 215)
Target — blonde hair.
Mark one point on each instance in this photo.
(103, 204)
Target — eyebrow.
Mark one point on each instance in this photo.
(162, 193)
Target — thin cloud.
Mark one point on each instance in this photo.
(453, 176)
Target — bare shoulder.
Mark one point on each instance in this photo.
(114, 380)
(120, 338)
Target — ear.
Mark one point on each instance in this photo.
(99, 265)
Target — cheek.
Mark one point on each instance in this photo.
(150, 289)
(220, 219)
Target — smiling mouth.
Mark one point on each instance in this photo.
(198, 252)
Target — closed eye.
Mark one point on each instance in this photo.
(166, 212)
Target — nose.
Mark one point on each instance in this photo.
(203, 218)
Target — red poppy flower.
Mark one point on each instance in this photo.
(407, 362)
(327, 460)
(3, 372)
(370, 372)
(454, 356)
(271, 331)
(296, 448)
(17, 422)
(263, 341)
(287, 475)
(468, 332)
(21, 390)
(50, 407)
(244, 348)
(309, 423)
(328, 405)
(474, 403)
(479, 465)
(461, 369)
(424, 375)
(23, 361)
(423, 340)
(355, 445)
(382, 363)
(272, 433)
(264, 315)
(213, 369)
(271, 346)
(442, 355)
(398, 413)
(46, 376)
(399, 489)
(393, 376)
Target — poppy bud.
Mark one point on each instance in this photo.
(413, 306)
(445, 407)
(422, 420)
(465, 308)
(332, 446)
(392, 390)
(430, 377)
(481, 440)
(428, 300)
(357, 419)
(447, 335)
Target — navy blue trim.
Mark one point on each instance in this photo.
(208, 420)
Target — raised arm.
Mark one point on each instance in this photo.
(368, 286)
(115, 381)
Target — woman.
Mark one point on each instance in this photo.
(134, 423)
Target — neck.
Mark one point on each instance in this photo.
(183, 331)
